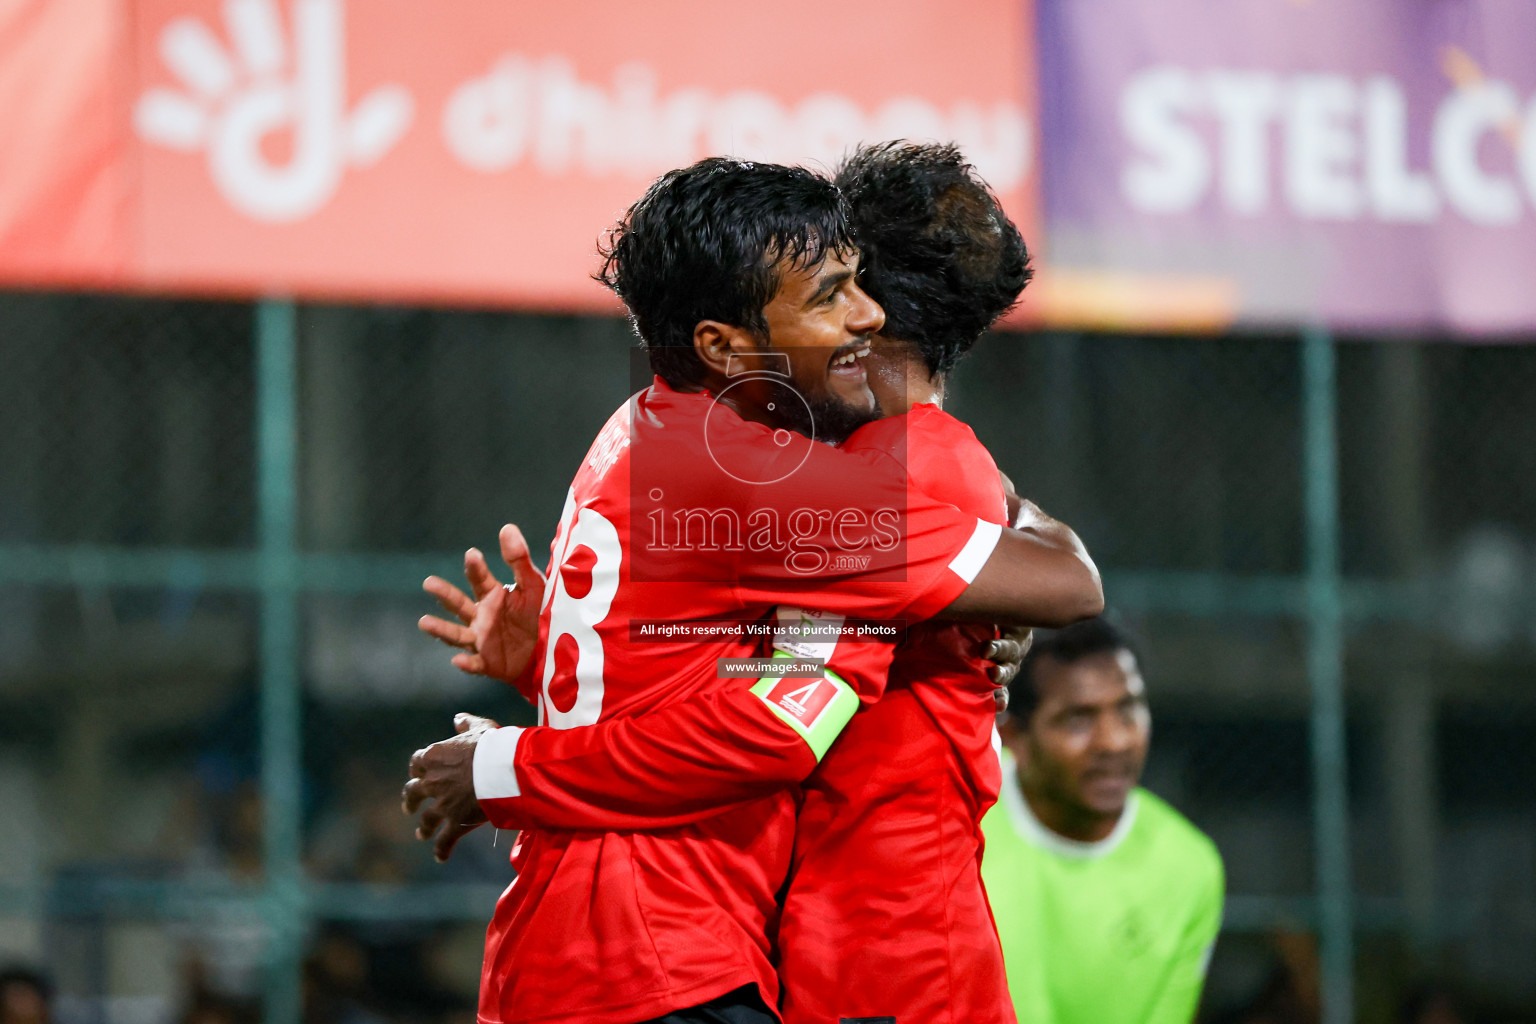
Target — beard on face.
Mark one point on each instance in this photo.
(823, 418)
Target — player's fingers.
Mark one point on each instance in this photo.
(514, 551)
(431, 820)
(474, 664)
(450, 633)
(1003, 650)
(412, 796)
(479, 574)
(442, 849)
(418, 766)
(464, 721)
(490, 607)
(1000, 699)
(1002, 675)
(454, 601)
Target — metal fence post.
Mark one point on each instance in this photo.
(1325, 671)
(281, 756)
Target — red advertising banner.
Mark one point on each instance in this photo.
(470, 151)
(64, 146)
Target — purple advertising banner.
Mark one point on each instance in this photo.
(1368, 164)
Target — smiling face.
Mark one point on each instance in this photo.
(823, 322)
(1083, 748)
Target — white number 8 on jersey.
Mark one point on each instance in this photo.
(578, 617)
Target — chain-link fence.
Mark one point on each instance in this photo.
(214, 520)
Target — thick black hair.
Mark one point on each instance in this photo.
(938, 253)
(1067, 645)
(35, 980)
(707, 242)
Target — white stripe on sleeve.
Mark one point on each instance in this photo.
(977, 550)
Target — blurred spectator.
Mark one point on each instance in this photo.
(209, 1000)
(1433, 1004)
(1107, 900)
(207, 1008)
(1291, 994)
(226, 944)
(26, 997)
(336, 982)
(357, 837)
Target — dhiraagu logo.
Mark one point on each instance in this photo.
(267, 82)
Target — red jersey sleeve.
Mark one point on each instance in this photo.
(861, 540)
(688, 761)
(673, 766)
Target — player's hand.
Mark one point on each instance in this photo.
(1006, 655)
(497, 630)
(1011, 496)
(444, 773)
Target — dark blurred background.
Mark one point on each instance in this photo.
(131, 603)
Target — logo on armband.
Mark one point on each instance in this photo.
(804, 699)
(816, 707)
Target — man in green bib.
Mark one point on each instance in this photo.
(1107, 899)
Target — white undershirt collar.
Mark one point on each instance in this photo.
(1034, 831)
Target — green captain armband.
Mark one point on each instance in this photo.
(817, 707)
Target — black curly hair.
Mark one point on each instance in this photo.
(708, 242)
(1065, 646)
(938, 252)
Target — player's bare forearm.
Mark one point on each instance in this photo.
(1039, 575)
(1030, 519)
(1026, 516)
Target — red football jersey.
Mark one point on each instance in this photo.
(885, 910)
(885, 914)
(682, 511)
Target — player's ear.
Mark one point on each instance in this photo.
(715, 342)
